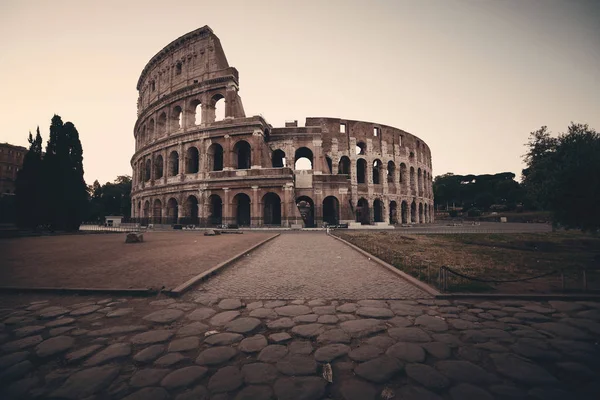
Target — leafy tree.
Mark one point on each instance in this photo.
(111, 198)
(29, 194)
(562, 175)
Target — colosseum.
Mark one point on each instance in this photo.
(200, 160)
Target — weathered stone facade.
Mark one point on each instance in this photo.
(192, 167)
(11, 160)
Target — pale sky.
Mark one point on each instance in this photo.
(470, 78)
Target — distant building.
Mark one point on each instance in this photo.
(11, 160)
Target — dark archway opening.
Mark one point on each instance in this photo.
(271, 209)
(344, 166)
(421, 219)
(215, 211)
(404, 212)
(378, 211)
(376, 172)
(243, 154)
(303, 158)
(329, 164)
(241, 203)
(172, 211)
(361, 171)
(391, 171)
(215, 157)
(157, 212)
(192, 161)
(306, 207)
(278, 159)
(173, 163)
(413, 212)
(362, 211)
(191, 206)
(331, 210)
(148, 170)
(393, 212)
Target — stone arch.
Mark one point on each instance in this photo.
(215, 157)
(362, 211)
(157, 212)
(218, 107)
(196, 111)
(172, 211)
(271, 209)
(391, 171)
(191, 210)
(192, 160)
(158, 167)
(421, 219)
(344, 166)
(425, 213)
(173, 163)
(393, 214)
(146, 212)
(242, 207)
(151, 130)
(331, 210)
(215, 210)
(412, 181)
(402, 174)
(329, 164)
(303, 153)
(148, 170)
(177, 118)
(161, 124)
(142, 136)
(306, 207)
(377, 172)
(242, 153)
(361, 170)
(278, 158)
(377, 210)
(413, 212)
(361, 149)
(419, 182)
(404, 212)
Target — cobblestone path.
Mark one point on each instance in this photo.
(308, 266)
(202, 347)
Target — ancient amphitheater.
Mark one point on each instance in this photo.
(194, 166)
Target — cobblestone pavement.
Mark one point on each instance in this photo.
(202, 347)
(308, 266)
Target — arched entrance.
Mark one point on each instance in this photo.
(215, 157)
(421, 219)
(362, 211)
(413, 212)
(331, 210)
(271, 209)
(404, 211)
(344, 166)
(278, 159)
(377, 210)
(306, 206)
(215, 212)
(157, 212)
(241, 205)
(172, 211)
(242, 153)
(303, 159)
(426, 213)
(191, 210)
(361, 171)
(393, 212)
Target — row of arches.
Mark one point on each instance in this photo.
(422, 154)
(179, 116)
(418, 212)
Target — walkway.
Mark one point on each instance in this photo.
(308, 266)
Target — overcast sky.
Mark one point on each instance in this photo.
(470, 78)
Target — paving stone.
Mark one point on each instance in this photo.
(201, 313)
(297, 301)
(86, 382)
(465, 371)
(380, 369)
(53, 346)
(162, 303)
(346, 317)
(534, 349)
(347, 308)
(85, 310)
(281, 323)
(592, 314)
(274, 304)
(280, 337)
(487, 316)
(451, 340)
(591, 326)
(259, 373)
(80, 354)
(253, 344)
(224, 317)
(60, 331)
(243, 325)
(538, 309)
(225, 379)
(296, 365)
(267, 313)
(150, 353)
(164, 316)
(170, 359)
(300, 347)
(362, 327)
(193, 329)
(149, 393)
(549, 394)
(206, 299)
(531, 316)
(330, 352)
(255, 392)
(60, 322)
(292, 310)
(254, 305)
(409, 334)
(222, 339)
(403, 309)
(493, 347)
(52, 312)
(119, 312)
(272, 353)
(400, 322)
(28, 330)
(521, 370)
(504, 392)
(185, 344)
(21, 344)
(411, 392)
(230, 304)
(151, 337)
(427, 376)
(183, 377)
(12, 359)
(20, 388)
(374, 312)
(308, 330)
(333, 336)
(112, 352)
(353, 389)
(328, 319)
(324, 310)
(198, 393)
(216, 355)
(483, 335)
(409, 352)
(299, 388)
(466, 391)
(469, 353)
(460, 324)
(365, 352)
(183, 306)
(431, 323)
(373, 303)
(383, 342)
(148, 377)
(16, 371)
(562, 330)
(438, 349)
(117, 330)
(316, 302)
(306, 319)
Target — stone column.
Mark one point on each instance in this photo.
(228, 164)
(256, 153)
(255, 217)
(181, 162)
(226, 208)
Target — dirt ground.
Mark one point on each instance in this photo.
(499, 256)
(106, 261)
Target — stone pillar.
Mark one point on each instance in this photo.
(181, 162)
(256, 153)
(255, 216)
(228, 164)
(317, 157)
(226, 212)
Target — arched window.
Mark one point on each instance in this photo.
(271, 209)
(404, 211)
(192, 160)
(306, 207)
(278, 159)
(151, 130)
(361, 149)
(344, 166)
(148, 171)
(243, 154)
(420, 182)
(215, 210)
(362, 211)
(376, 172)
(215, 157)
(218, 102)
(303, 158)
(241, 205)
(161, 125)
(157, 212)
(393, 212)
(172, 211)
(178, 68)
(391, 171)
(329, 164)
(378, 210)
(191, 210)
(158, 167)
(177, 117)
(403, 173)
(421, 217)
(146, 212)
(413, 212)
(173, 163)
(196, 109)
(361, 170)
(412, 181)
(142, 136)
(331, 210)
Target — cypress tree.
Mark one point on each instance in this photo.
(28, 188)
